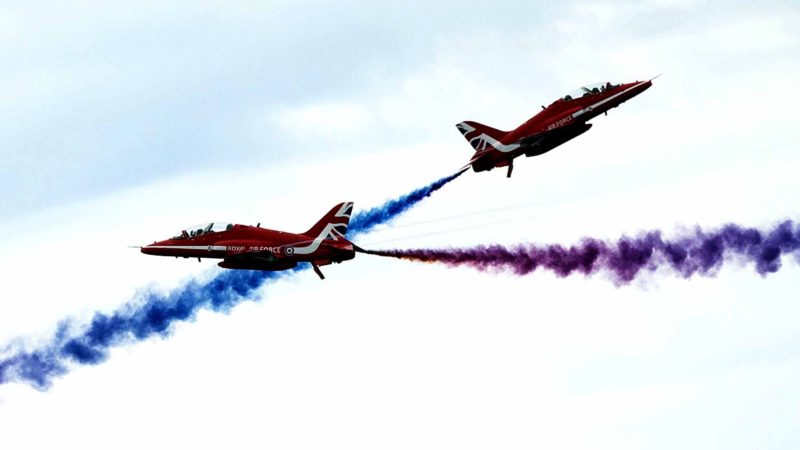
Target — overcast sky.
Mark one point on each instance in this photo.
(121, 124)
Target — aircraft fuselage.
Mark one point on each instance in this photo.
(565, 119)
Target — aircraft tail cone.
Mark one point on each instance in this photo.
(360, 250)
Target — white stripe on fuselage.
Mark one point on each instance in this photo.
(485, 141)
(328, 233)
(308, 249)
(192, 247)
(494, 143)
(314, 245)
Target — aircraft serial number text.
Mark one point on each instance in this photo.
(558, 123)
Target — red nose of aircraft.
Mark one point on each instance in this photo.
(631, 90)
(636, 88)
(643, 87)
(153, 249)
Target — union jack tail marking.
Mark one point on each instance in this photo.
(334, 224)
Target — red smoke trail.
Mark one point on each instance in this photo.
(702, 253)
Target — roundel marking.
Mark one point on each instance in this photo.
(289, 251)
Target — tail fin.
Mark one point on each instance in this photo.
(334, 224)
(481, 136)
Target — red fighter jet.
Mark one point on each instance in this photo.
(563, 120)
(256, 248)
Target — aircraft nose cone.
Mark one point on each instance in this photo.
(638, 89)
(150, 250)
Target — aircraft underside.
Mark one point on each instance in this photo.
(557, 138)
(257, 264)
(536, 145)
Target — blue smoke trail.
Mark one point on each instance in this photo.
(365, 221)
(151, 315)
(154, 314)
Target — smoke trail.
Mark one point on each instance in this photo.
(365, 221)
(702, 253)
(154, 314)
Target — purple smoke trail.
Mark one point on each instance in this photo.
(154, 314)
(701, 253)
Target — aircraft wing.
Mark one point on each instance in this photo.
(241, 252)
(253, 256)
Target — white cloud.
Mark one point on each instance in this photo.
(323, 121)
(394, 354)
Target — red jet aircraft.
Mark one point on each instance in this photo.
(563, 120)
(256, 248)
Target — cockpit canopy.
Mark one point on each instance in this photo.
(206, 228)
(591, 89)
